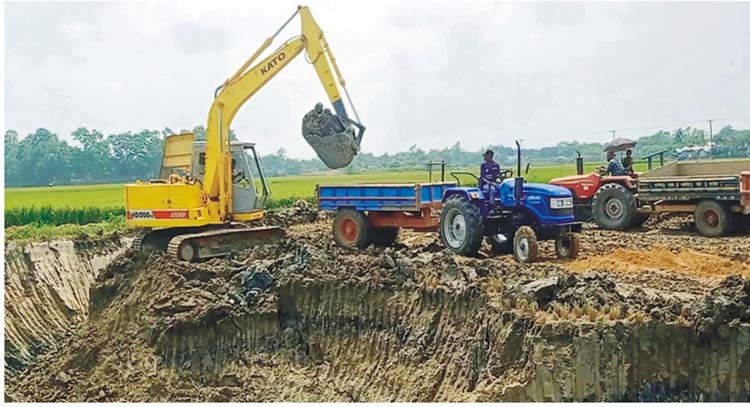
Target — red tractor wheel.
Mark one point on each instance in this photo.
(350, 229)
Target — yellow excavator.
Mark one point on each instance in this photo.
(210, 192)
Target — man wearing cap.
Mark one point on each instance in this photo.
(488, 172)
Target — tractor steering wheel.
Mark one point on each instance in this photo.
(505, 174)
(601, 170)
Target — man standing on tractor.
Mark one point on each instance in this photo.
(488, 172)
(614, 167)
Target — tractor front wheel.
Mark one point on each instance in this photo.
(461, 226)
(525, 245)
(567, 246)
(351, 229)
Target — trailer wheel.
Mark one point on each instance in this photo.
(384, 236)
(567, 246)
(525, 245)
(461, 226)
(712, 219)
(613, 207)
(350, 229)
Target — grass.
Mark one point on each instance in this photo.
(40, 208)
(48, 215)
(79, 196)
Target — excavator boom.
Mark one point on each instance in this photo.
(198, 211)
(248, 80)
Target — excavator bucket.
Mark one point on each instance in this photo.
(332, 138)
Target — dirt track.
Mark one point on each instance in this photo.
(642, 315)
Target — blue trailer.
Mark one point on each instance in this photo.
(374, 213)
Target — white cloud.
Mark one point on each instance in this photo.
(75, 30)
(427, 72)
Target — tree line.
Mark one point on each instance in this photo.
(42, 158)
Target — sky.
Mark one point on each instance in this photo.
(424, 73)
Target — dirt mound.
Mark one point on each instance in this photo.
(727, 305)
(684, 260)
(301, 212)
(668, 220)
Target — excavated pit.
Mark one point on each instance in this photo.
(47, 292)
(308, 321)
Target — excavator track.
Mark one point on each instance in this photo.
(219, 243)
(137, 242)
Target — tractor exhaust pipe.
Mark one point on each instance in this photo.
(518, 181)
(579, 164)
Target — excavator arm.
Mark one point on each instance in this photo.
(247, 81)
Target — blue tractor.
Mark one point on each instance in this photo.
(512, 215)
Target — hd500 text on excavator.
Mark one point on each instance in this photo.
(208, 192)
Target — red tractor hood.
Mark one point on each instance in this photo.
(575, 179)
(583, 187)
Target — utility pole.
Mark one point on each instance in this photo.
(613, 134)
(711, 132)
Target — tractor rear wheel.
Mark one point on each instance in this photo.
(525, 245)
(567, 246)
(351, 229)
(384, 236)
(712, 219)
(613, 207)
(461, 226)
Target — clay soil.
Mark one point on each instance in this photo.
(305, 320)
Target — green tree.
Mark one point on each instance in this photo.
(42, 158)
(136, 155)
(11, 157)
(92, 161)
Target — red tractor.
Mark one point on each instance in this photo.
(609, 200)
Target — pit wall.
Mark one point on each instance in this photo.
(47, 292)
(386, 345)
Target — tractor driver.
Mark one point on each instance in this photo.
(614, 167)
(488, 172)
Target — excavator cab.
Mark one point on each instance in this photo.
(185, 157)
(249, 186)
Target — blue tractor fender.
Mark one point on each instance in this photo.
(471, 193)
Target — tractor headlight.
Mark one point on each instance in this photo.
(561, 203)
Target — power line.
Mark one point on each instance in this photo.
(660, 126)
(613, 132)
